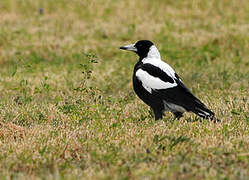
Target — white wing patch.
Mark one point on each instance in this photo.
(160, 64)
(149, 82)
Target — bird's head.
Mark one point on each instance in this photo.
(142, 48)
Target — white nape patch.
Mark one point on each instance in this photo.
(154, 58)
(173, 107)
(150, 82)
(153, 52)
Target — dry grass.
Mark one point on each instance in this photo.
(59, 123)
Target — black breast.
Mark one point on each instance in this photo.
(142, 93)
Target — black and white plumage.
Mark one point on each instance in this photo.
(158, 85)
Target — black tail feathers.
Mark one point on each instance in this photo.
(202, 111)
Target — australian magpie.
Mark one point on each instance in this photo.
(158, 85)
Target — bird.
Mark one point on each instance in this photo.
(157, 84)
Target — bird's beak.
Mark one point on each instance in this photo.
(130, 47)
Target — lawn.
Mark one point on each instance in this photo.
(67, 107)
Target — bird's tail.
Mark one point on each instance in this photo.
(201, 110)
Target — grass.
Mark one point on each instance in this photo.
(67, 108)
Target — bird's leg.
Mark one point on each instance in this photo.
(151, 112)
(158, 114)
(178, 115)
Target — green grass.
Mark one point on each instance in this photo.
(67, 108)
